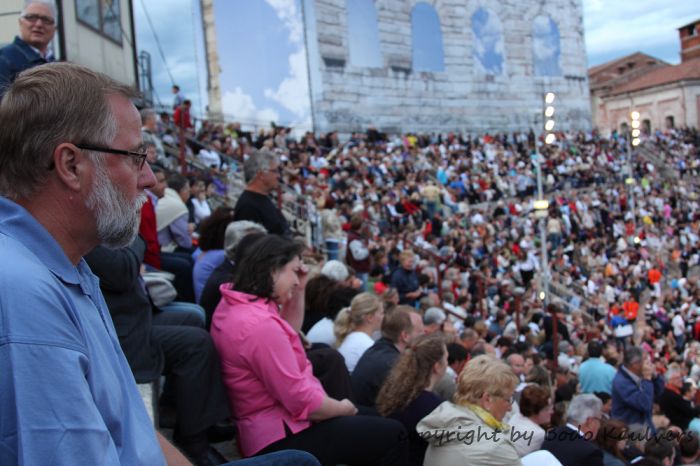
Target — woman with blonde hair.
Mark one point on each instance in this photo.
(406, 393)
(355, 325)
(470, 431)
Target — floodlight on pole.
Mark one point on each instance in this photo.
(550, 138)
(549, 111)
(633, 140)
(549, 98)
(549, 125)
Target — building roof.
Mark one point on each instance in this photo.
(689, 69)
(689, 24)
(621, 70)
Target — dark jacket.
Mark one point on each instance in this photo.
(676, 408)
(571, 449)
(372, 369)
(15, 58)
(129, 306)
(633, 403)
(405, 281)
(211, 295)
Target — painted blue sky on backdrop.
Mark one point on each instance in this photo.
(488, 41)
(261, 48)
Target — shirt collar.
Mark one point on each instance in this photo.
(49, 54)
(574, 428)
(637, 380)
(20, 225)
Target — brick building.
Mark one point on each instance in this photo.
(666, 95)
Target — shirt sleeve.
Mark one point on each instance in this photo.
(180, 232)
(358, 250)
(49, 415)
(275, 362)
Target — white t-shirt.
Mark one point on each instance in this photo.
(322, 332)
(678, 325)
(353, 347)
(527, 435)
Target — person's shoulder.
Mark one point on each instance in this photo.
(27, 269)
(13, 48)
(430, 398)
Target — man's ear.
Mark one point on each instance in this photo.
(403, 336)
(69, 163)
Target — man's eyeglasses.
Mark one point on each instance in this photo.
(139, 157)
(33, 18)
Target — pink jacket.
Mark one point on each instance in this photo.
(268, 379)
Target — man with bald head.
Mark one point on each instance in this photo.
(37, 25)
(517, 364)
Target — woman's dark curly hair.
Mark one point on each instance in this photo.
(256, 264)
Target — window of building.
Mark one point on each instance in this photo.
(546, 47)
(363, 34)
(103, 16)
(426, 39)
(646, 126)
(691, 30)
(488, 42)
(670, 122)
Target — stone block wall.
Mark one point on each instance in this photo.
(463, 97)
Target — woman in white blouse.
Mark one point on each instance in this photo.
(536, 409)
(355, 325)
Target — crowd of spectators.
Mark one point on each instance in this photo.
(442, 230)
(423, 324)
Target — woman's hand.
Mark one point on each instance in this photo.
(303, 273)
(348, 407)
(331, 408)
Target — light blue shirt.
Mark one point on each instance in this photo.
(67, 395)
(595, 375)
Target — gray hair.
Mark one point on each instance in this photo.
(672, 370)
(434, 315)
(582, 407)
(147, 113)
(236, 231)
(46, 106)
(258, 161)
(632, 355)
(468, 333)
(47, 3)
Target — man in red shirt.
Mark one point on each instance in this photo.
(182, 115)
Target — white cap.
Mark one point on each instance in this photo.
(335, 270)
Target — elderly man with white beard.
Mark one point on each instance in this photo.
(72, 177)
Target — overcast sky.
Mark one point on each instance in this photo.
(263, 61)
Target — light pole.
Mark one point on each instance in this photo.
(541, 204)
(632, 141)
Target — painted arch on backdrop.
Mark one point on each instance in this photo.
(426, 39)
(488, 41)
(363, 34)
(546, 46)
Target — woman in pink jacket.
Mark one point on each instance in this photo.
(276, 400)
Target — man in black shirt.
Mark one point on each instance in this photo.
(261, 172)
(399, 327)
